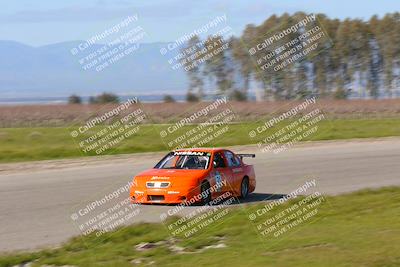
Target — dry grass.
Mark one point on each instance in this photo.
(62, 115)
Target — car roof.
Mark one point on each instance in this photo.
(201, 149)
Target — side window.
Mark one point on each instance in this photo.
(238, 161)
(231, 159)
(218, 161)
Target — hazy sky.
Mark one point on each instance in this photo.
(48, 21)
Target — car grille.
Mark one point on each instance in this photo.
(157, 184)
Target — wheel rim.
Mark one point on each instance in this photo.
(207, 198)
(244, 188)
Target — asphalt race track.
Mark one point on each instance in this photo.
(37, 199)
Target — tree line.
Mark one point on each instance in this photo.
(103, 98)
(363, 60)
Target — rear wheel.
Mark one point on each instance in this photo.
(205, 193)
(244, 188)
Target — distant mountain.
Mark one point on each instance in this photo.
(52, 70)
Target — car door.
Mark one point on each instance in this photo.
(235, 165)
(221, 174)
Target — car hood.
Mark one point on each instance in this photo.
(168, 174)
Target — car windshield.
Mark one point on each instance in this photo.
(191, 160)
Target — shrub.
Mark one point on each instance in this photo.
(238, 96)
(104, 98)
(74, 99)
(168, 99)
(340, 93)
(190, 97)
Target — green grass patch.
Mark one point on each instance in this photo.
(358, 229)
(27, 144)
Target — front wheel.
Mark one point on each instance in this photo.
(244, 188)
(205, 193)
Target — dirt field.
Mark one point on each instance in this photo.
(61, 115)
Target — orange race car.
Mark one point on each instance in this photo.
(194, 176)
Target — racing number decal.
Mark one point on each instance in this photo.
(218, 181)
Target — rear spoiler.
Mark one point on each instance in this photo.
(246, 155)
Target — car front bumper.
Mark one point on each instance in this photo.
(162, 196)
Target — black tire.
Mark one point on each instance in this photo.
(244, 188)
(205, 187)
